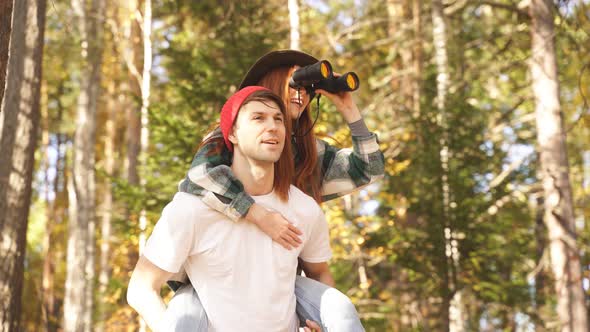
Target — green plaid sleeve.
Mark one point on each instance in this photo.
(346, 170)
(211, 178)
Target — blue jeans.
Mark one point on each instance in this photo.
(323, 304)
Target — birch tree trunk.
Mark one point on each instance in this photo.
(293, 7)
(78, 300)
(452, 299)
(442, 83)
(137, 131)
(559, 214)
(129, 40)
(145, 103)
(20, 113)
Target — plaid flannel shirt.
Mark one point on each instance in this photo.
(342, 171)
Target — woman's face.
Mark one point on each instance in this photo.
(298, 100)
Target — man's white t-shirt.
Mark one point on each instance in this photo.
(246, 281)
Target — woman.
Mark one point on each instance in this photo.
(321, 170)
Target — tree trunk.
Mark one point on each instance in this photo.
(145, 103)
(399, 13)
(293, 7)
(5, 27)
(76, 254)
(130, 49)
(47, 295)
(137, 129)
(417, 56)
(454, 301)
(539, 250)
(132, 42)
(107, 205)
(559, 214)
(402, 83)
(20, 112)
(78, 300)
(586, 163)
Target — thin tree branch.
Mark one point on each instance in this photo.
(517, 9)
(128, 61)
(502, 176)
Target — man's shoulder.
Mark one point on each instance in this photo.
(188, 205)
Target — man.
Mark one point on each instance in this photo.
(245, 281)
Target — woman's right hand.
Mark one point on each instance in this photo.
(311, 326)
(275, 225)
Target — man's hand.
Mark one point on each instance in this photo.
(275, 225)
(311, 326)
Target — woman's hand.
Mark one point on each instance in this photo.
(311, 326)
(275, 225)
(344, 103)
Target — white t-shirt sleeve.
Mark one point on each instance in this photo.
(317, 248)
(173, 237)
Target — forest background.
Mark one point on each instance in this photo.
(481, 223)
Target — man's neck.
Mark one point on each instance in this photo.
(257, 177)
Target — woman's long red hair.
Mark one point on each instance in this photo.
(307, 177)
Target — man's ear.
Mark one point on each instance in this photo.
(232, 138)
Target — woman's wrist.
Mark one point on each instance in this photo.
(255, 213)
(351, 113)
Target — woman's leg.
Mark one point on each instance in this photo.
(325, 305)
(185, 313)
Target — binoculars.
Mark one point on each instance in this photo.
(320, 76)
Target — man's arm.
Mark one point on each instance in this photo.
(143, 293)
(318, 271)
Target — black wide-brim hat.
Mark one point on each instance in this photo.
(272, 60)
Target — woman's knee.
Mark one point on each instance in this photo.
(338, 305)
(185, 312)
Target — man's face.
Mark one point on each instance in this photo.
(259, 131)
